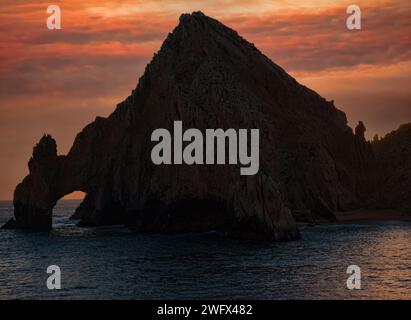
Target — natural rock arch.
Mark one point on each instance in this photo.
(207, 76)
(48, 182)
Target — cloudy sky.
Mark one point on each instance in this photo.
(57, 81)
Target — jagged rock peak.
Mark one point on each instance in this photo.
(198, 18)
(199, 22)
(360, 130)
(46, 147)
(194, 14)
(198, 28)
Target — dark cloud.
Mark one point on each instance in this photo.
(319, 41)
(71, 76)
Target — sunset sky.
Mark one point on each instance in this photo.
(57, 81)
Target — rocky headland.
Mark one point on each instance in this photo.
(312, 164)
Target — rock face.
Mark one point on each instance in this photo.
(393, 153)
(311, 163)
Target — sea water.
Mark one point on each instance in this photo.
(115, 263)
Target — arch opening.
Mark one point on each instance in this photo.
(66, 207)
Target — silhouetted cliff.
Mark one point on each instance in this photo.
(393, 153)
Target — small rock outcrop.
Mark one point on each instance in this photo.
(207, 76)
(34, 197)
